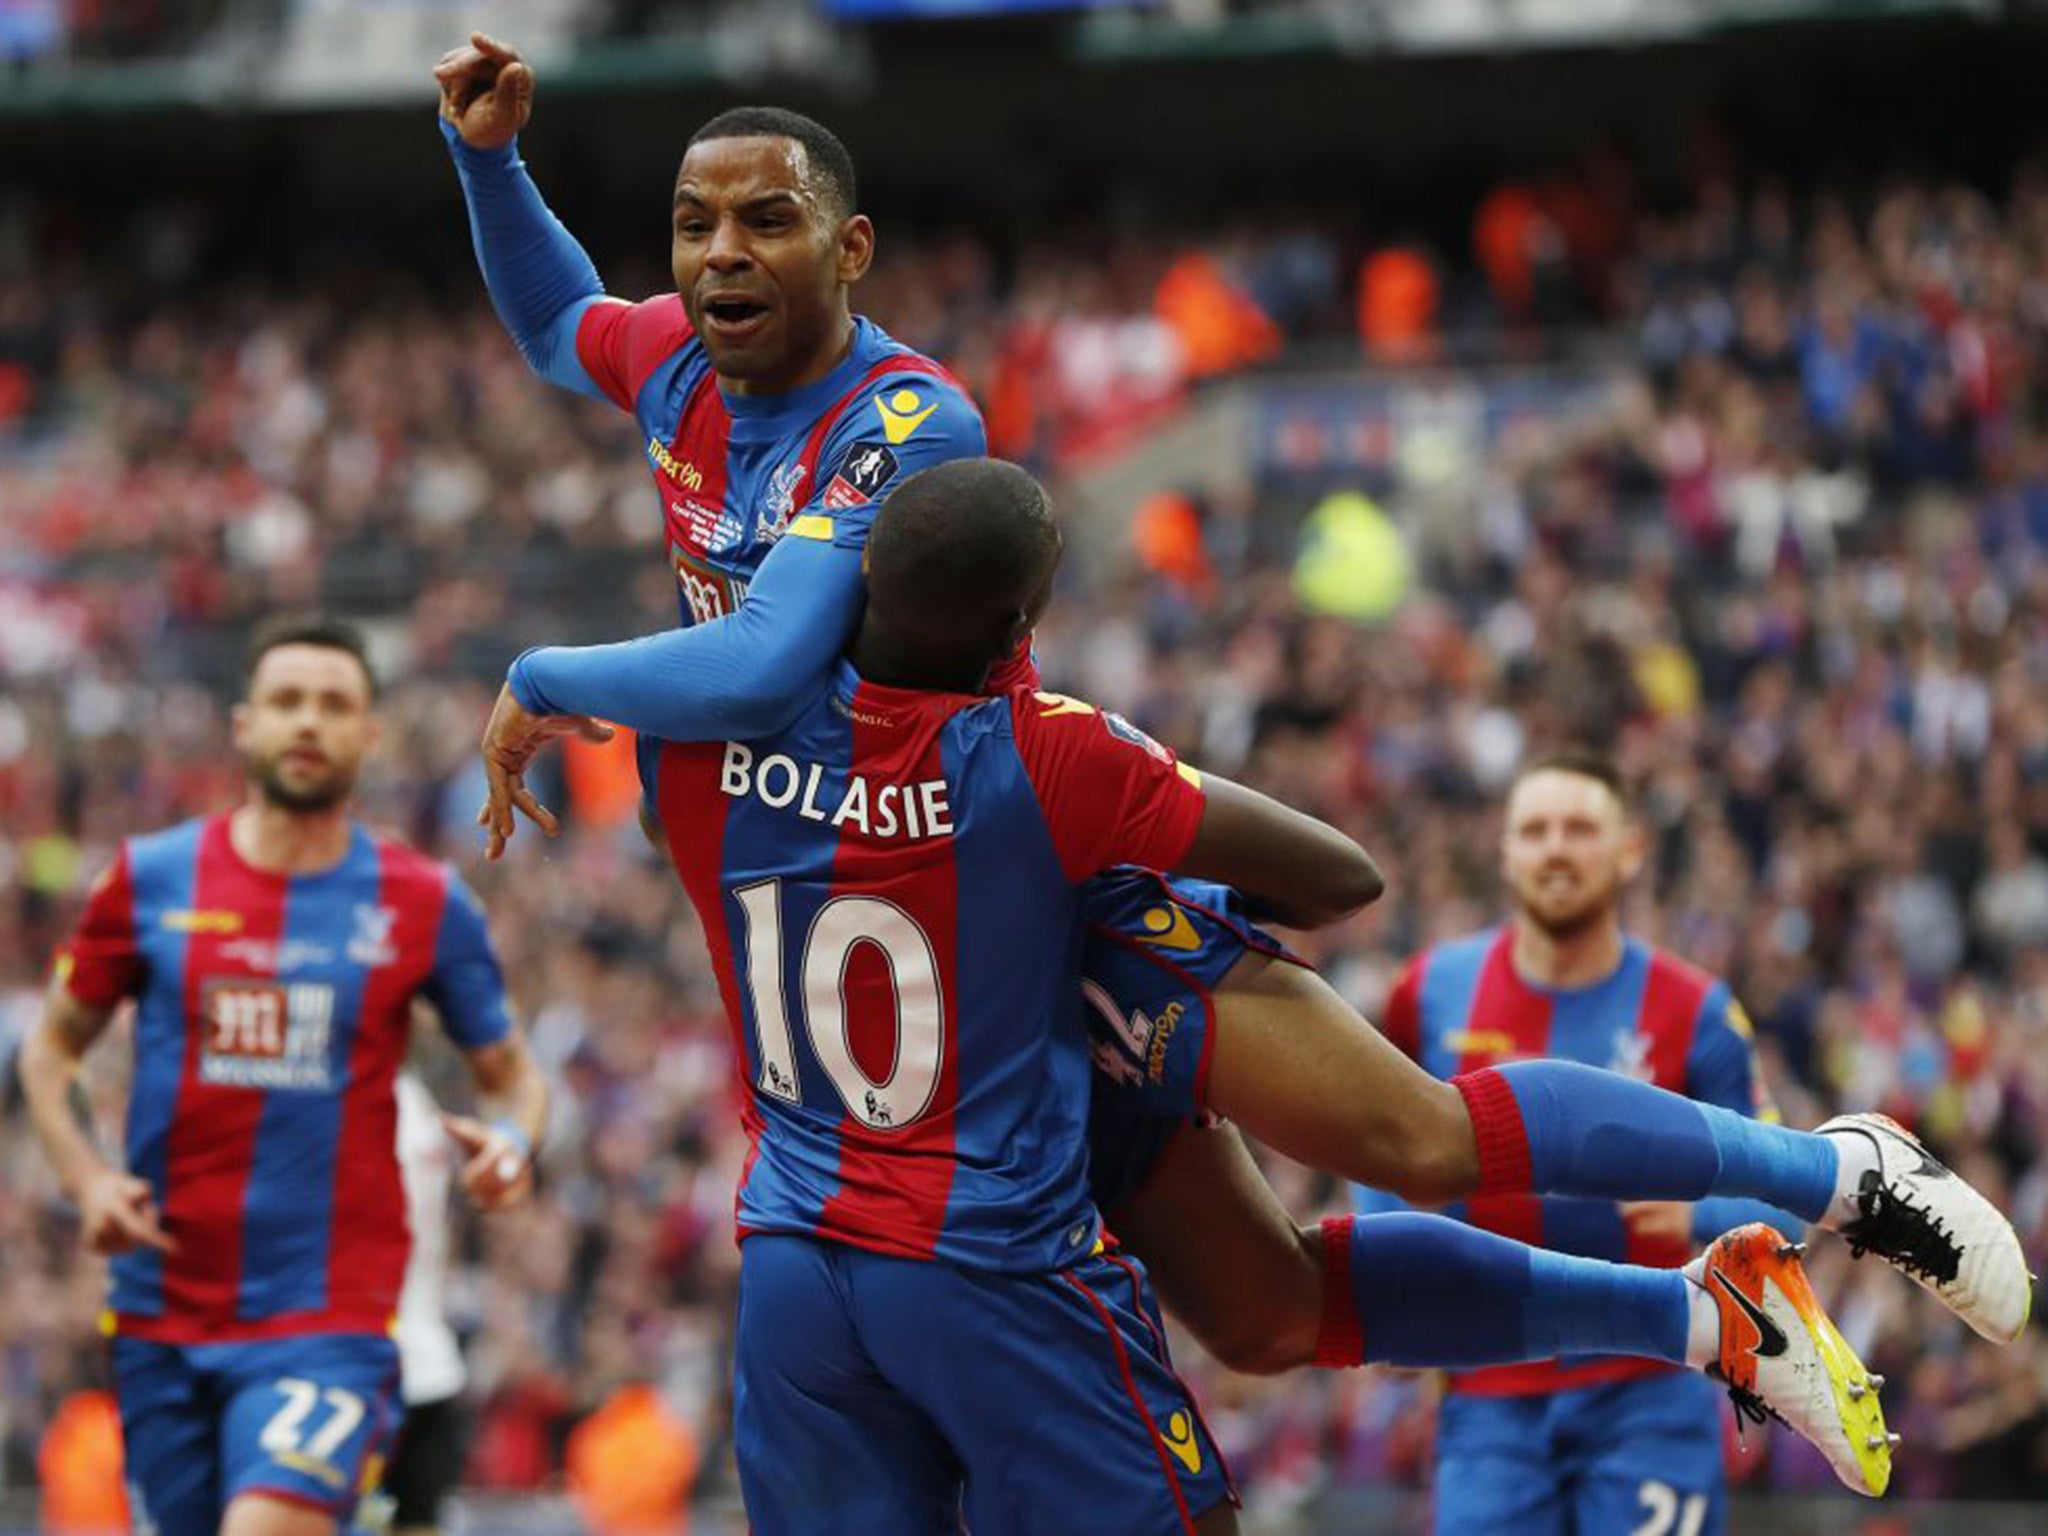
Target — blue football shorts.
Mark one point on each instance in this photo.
(1642, 1455)
(1157, 948)
(884, 1396)
(307, 1420)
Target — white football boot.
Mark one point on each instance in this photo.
(1920, 1218)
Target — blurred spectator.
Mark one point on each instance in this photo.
(631, 1466)
(1397, 305)
(79, 1468)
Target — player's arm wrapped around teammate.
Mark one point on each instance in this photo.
(750, 673)
(736, 678)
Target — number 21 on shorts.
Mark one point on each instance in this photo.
(1667, 1512)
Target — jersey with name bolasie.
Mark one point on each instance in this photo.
(889, 890)
(272, 1014)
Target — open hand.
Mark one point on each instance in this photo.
(511, 739)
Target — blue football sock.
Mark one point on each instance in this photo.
(1559, 1128)
(1430, 1291)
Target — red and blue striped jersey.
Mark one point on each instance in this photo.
(890, 892)
(733, 471)
(1462, 1006)
(272, 1014)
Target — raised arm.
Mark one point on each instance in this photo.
(540, 279)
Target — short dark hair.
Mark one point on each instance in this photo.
(307, 629)
(823, 153)
(951, 548)
(1586, 761)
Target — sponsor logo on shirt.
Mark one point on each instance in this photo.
(266, 1034)
(685, 474)
(1479, 1042)
(902, 413)
(708, 594)
(1059, 704)
(1169, 928)
(1178, 1436)
(188, 920)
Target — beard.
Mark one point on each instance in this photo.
(322, 792)
(1583, 910)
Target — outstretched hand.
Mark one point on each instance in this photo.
(118, 1213)
(486, 91)
(511, 739)
(497, 1168)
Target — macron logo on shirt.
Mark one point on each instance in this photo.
(913, 812)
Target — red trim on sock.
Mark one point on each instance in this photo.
(1505, 1167)
(1340, 1341)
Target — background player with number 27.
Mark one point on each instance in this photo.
(259, 1228)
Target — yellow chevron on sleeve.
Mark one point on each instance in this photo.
(1060, 704)
(812, 525)
(1192, 775)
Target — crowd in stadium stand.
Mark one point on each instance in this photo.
(1794, 569)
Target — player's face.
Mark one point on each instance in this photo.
(306, 726)
(1568, 851)
(763, 264)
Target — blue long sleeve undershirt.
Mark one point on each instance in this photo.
(540, 279)
(744, 676)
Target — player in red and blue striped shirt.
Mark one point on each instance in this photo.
(892, 892)
(258, 1227)
(1590, 1442)
(766, 244)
